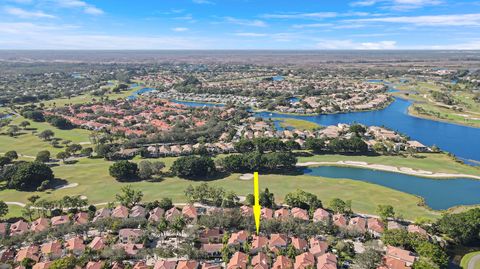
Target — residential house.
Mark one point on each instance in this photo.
(172, 213)
(258, 243)
(304, 260)
(212, 249)
(75, 245)
(375, 227)
(282, 213)
(138, 212)
(327, 261)
(321, 215)
(282, 262)
(18, 228)
(238, 238)
(40, 225)
(187, 265)
(358, 224)
(98, 243)
(120, 212)
(81, 218)
(60, 220)
(299, 213)
(53, 250)
(165, 264)
(189, 212)
(129, 235)
(299, 243)
(239, 260)
(156, 214)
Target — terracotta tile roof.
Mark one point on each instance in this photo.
(260, 261)
(190, 212)
(81, 218)
(212, 248)
(400, 254)
(278, 240)
(299, 243)
(40, 225)
(358, 223)
(172, 213)
(266, 213)
(18, 228)
(156, 214)
(282, 213)
(238, 238)
(94, 265)
(138, 212)
(42, 265)
(246, 210)
(282, 262)
(300, 213)
(259, 242)
(60, 220)
(75, 244)
(187, 265)
(327, 261)
(392, 263)
(120, 212)
(321, 215)
(54, 247)
(211, 266)
(141, 265)
(304, 260)
(416, 229)
(164, 264)
(318, 247)
(375, 225)
(339, 220)
(98, 243)
(238, 260)
(27, 252)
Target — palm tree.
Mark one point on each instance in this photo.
(162, 227)
(177, 225)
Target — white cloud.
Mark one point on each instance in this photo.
(313, 15)
(364, 3)
(84, 6)
(180, 29)
(255, 23)
(397, 4)
(25, 14)
(433, 20)
(312, 25)
(250, 34)
(350, 44)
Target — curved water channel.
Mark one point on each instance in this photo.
(438, 193)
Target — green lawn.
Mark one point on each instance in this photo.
(95, 183)
(430, 162)
(297, 124)
(466, 259)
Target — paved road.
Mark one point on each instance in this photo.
(473, 261)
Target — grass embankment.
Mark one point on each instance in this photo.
(95, 183)
(421, 93)
(297, 124)
(466, 260)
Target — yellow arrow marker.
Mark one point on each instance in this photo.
(256, 208)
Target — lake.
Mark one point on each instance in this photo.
(196, 104)
(140, 92)
(460, 140)
(439, 194)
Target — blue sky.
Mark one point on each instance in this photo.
(239, 24)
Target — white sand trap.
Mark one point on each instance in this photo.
(246, 177)
(73, 185)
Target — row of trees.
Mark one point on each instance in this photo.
(265, 144)
(337, 145)
(211, 195)
(130, 171)
(256, 161)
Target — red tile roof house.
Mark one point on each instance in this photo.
(404, 256)
(260, 261)
(130, 249)
(416, 229)
(214, 235)
(94, 265)
(299, 243)
(156, 214)
(138, 212)
(75, 245)
(258, 244)
(282, 262)
(282, 213)
(81, 218)
(42, 265)
(300, 213)
(40, 225)
(141, 265)
(211, 266)
(172, 213)
(246, 210)
(392, 225)
(318, 247)
(304, 260)
(53, 250)
(164, 264)
(321, 215)
(129, 235)
(278, 241)
(18, 228)
(327, 261)
(30, 252)
(117, 265)
(239, 260)
(7, 255)
(187, 265)
(375, 227)
(60, 220)
(266, 213)
(339, 220)
(238, 238)
(190, 212)
(358, 224)
(98, 243)
(102, 214)
(120, 212)
(212, 250)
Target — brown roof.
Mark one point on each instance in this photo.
(392, 263)
(212, 248)
(40, 225)
(321, 215)
(299, 243)
(238, 260)
(190, 212)
(42, 265)
(81, 218)
(282, 213)
(211, 266)
(94, 265)
(266, 213)
(164, 264)
(318, 247)
(75, 243)
(97, 243)
(358, 224)
(60, 220)
(246, 210)
(156, 214)
(238, 238)
(138, 212)
(120, 212)
(416, 229)
(54, 247)
(300, 213)
(27, 252)
(278, 240)
(304, 260)
(375, 225)
(282, 262)
(327, 261)
(19, 227)
(339, 220)
(3, 228)
(187, 264)
(172, 213)
(400, 254)
(261, 260)
(259, 242)
(141, 265)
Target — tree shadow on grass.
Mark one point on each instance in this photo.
(56, 183)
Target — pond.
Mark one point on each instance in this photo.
(438, 194)
(460, 140)
(196, 104)
(140, 92)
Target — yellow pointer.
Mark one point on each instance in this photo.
(256, 208)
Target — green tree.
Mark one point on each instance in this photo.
(340, 206)
(462, 227)
(28, 175)
(123, 170)
(303, 199)
(194, 167)
(385, 212)
(129, 197)
(145, 170)
(3, 209)
(46, 134)
(370, 259)
(67, 262)
(73, 148)
(12, 155)
(4, 161)
(62, 155)
(43, 156)
(165, 203)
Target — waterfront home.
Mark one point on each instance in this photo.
(375, 227)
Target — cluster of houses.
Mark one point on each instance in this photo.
(311, 252)
(210, 98)
(140, 117)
